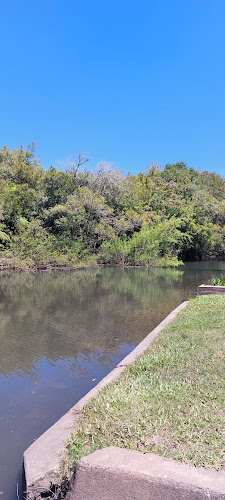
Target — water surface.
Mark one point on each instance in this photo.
(60, 333)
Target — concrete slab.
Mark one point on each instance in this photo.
(210, 290)
(120, 474)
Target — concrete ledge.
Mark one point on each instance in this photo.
(208, 289)
(120, 474)
(43, 459)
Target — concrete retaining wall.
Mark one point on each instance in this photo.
(208, 290)
(43, 459)
(119, 474)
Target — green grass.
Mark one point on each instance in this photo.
(171, 400)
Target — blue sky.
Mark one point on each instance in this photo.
(129, 82)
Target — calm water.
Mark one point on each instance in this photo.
(60, 333)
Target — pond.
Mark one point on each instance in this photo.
(62, 332)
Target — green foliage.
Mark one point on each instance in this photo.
(58, 186)
(158, 217)
(21, 185)
(32, 243)
(115, 252)
(219, 281)
(84, 216)
(154, 245)
(34, 246)
(4, 239)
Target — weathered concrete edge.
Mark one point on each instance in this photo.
(43, 459)
(211, 290)
(133, 474)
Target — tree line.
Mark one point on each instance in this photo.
(73, 217)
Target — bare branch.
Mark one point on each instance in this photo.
(75, 166)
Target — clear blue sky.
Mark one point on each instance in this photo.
(127, 81)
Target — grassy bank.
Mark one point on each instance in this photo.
(170, 401)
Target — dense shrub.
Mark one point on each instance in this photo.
(157, 217)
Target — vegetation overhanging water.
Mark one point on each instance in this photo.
(79, 217)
